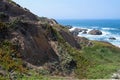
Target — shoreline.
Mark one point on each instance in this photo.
(105, 37)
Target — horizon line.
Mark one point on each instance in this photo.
(81, 19)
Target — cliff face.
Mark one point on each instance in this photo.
(13, 10)
(29, 32)
(28, 41)
(35, 47)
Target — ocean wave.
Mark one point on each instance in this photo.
(109, 29)
(72, 28)
(104, 37)
(105, 33)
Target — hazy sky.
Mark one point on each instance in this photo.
(74, 9)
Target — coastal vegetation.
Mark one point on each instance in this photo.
(33, 47)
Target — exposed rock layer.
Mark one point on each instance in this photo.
(30, 33)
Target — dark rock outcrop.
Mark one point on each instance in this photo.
(84, 41)
(35, 47)
(70, 39)
(84, 32)
(76, 31)
(12, 9)
(4, 17)
(44, 20)
(95, 32)
(28, 32)
(112, 38)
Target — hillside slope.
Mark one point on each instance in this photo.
(32, 46)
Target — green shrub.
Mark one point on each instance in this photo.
(67, 54)
(7, 60)
(2, 78)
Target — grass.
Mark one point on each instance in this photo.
(104, 58)
(102, 71)
(68, 53)
(9, 59)
(94, 62)
(98, 61)
(9, 55)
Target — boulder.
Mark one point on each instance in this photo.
(116, 75)
(84, 32)
(3, 73)
(76, 31)
(95, 32)
(112, 38)
(84, 42)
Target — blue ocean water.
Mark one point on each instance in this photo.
(109, 28)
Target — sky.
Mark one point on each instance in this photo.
(73, 9)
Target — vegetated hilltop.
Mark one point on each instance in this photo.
(33, 47)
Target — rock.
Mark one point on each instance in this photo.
(84, 41)
(70, 39)
(53, 21)
(116, 75)
(95, 32)
(76, 31)
(90, 44)
(112, 38)
(84, 32)
(12, 9)
(2, 72)
(31, 40)
(4, 17)
(45, 20)
(13, 75)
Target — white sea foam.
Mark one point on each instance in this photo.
(104, 37)
(72, 29)
(109, 28)
(105, 33)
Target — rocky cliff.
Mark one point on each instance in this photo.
(37, 45)
(33, 34)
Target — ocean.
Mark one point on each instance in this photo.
(109, 28)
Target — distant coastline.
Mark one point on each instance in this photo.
(109, 27)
